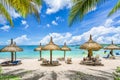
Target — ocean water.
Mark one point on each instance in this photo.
(74, 53)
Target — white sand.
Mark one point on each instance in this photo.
(33, 64)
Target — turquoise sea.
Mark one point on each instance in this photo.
(74, 53)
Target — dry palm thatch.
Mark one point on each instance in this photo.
(39, 48)
(112, 47)
(11, 48)
(65, 48)
(51, 46)
(90, 45)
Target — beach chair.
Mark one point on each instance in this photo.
(6, 63)
(98, 57)
(55, 63)
(112, 57)
(45, 61)
(107, 56)
(69, 61)
(16, 62)
(61, 59)
(40, 59)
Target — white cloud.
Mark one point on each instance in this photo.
(58, 38)
(2, 20)
(56, 5)
(58, 18)
(21, 39)
(5, 28)
(108, 22)
(100, 34)
(48, 25)
(13, 13)
(26, 26)
(54, 23)
(23, 22)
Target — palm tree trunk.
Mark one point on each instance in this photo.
(12, 56)
(64, 54)
(50, 56)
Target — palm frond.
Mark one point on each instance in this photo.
(81, 8)
(4, 12)
(35, 11)
(115, 8)
(23, 7)
(38, 2)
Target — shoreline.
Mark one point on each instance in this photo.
(34, 65)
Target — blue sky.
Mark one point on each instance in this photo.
(54, 22)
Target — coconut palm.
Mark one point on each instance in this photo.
(82, 7)
(115, 8)
(23, 7)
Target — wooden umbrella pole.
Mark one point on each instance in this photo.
(12, 56)
(50, 56)
(40, 55)
(64, 54)
(90, 54)
(112, 52)
(15, 56)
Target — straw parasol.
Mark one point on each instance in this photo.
(112, 47)
(39, 48)
(11, 48)
(51, 46)
(65, 48)
(90, 45)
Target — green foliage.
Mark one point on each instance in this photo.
(6, 14)
(81, 8)
(118, 70)
(23, 7)
(117, 74)
(0, 70)
(115, 8)
(8, 77)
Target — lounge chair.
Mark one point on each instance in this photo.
(112, 57)
(107, 56)
(16, 62)
(45, 61)
(40, 59)
(6, 63)
(68, 61)
(55, 63)
(61, 59)
(98, 57)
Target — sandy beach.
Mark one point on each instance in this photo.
(35, 66)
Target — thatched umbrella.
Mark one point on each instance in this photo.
(11, 48)
(112, 47)
(17, 48)
(51, 46)
(90, 45)
(65, 48)
(39, 48)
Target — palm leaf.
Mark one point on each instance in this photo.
(81, 8)
(115, 8)
(4, 12)
(23, 7)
